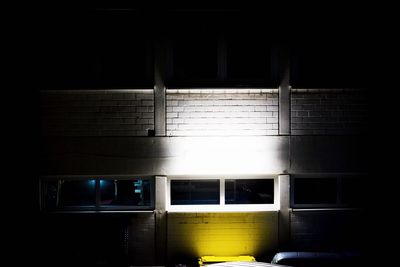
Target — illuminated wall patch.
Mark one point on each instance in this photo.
(221, 234)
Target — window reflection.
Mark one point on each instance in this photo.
(194, 192)
(249, 191)
(78, 193)
(125, 192)
(50, 195)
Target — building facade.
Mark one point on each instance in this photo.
(162, 150)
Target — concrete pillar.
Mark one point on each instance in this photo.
(161, 220)
(284, 92)
(284, 210)
(159, 90)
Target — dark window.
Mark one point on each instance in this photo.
(78, 193)
(195, 59)
(330, 64)
(330, 192)
(125, 192)
(50, 195)
(108, 192)
(195, 192)
(353, 192)
(315, 191)
(249, 191)
(248, 60)
(95, 194)
(100, 50)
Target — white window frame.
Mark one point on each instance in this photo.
(222, 207)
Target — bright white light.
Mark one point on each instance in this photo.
(227, 156)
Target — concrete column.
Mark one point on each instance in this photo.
(161, 194)
(161, 220)
(159, 89)
(284, 210)
(284, 92)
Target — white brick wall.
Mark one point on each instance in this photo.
(97, 112)
(328, 111)
(211, 112)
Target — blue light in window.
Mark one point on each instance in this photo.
(138, 186)
(92, 182)
(138, 183)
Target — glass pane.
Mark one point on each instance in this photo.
(125, 192)
(353, 191)
(78, 193)
(315, 191)
(107, 192)
(249, 191)
(195, 192)
(50, 194)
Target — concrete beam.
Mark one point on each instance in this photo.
(203, 155)
(168, 155)
(313, 154)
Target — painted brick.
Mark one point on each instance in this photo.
(328, 112)
(221, 234)
(97, 113)
(260, 108)
(140, 240)
(222, 112)
(327, 230)
(172, 115)
(272, 120)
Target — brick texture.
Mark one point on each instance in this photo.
(140, 240)
(97, 113)
(327, 230)
(222, 112)
(327, 112)
(191, 235)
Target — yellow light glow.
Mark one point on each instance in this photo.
(214, 259)
(222, 234)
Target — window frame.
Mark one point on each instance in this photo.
(97, 207)
(222, 207)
